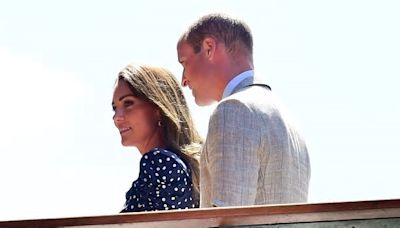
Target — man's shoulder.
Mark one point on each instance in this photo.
(253, 102)
(246, 97)
(231, 104)
(235, 107)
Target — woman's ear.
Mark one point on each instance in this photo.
(158, 113)
(158, 117)
(209, 46)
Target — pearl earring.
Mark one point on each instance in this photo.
(159, 123)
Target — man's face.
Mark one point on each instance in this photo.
(196, 73)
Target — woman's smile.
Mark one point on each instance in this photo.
(124, 130)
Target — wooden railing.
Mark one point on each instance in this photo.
(377, 213)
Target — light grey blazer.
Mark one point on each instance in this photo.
(252, 154)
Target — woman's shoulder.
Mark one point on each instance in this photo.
(161, 157)
(160, 153)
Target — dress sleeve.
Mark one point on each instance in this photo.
(232, 145)
(169, 185)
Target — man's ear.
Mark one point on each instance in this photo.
(209, 46)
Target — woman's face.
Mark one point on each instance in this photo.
(136, 120)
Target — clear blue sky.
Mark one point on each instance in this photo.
(334, 64)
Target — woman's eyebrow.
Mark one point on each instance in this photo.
(122, 97)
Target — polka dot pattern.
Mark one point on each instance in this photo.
(164, 183)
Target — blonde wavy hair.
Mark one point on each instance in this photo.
(160, 87)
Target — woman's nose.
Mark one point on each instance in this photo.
(118, 115)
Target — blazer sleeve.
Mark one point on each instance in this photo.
(233, 142)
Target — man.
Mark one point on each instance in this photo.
(252, 154)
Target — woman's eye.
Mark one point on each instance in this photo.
(128, 103)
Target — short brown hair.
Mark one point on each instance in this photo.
(226, 29)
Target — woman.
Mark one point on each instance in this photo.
(151, 114)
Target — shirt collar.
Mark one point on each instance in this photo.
(235, 81)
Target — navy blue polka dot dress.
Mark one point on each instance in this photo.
(164, 183)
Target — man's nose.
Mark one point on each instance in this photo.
(184, 81)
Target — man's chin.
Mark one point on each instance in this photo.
(203, 102)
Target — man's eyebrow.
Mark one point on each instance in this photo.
(182, 58)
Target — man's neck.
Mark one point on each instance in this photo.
(235, 81)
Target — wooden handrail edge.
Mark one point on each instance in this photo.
(214, 213)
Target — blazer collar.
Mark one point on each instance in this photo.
(242, 84)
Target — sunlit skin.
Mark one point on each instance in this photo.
(136, 120)
(197, 73)
(208, 72)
